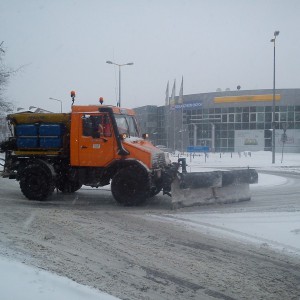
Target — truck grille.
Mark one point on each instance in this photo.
(158, 160)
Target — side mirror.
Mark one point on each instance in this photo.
(145, 136)
(123, 136)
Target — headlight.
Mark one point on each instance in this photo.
(167, 158)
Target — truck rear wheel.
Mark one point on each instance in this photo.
(36, 182)
(129, 186)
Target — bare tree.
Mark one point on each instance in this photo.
(5, 74)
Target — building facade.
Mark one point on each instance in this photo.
(226, 121)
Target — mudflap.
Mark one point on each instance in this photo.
(189, 189)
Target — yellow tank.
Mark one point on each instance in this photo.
(29, 118)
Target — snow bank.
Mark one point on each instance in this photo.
(18, 281)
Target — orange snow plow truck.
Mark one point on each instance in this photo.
(97, 145)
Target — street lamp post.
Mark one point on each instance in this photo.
(276, 33)
(119, 65)
(58, 101)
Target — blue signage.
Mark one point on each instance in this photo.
(188, 105)
(197, 149)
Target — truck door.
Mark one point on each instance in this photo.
(96, 140)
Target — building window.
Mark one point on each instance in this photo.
(231, 118)
(224, 134)
(225, 110)
(252, 117)
(238, 118)
(230, 126)
(260, 117)
(268, 125)
(245, 125)
(283, 117)
(283, 108)
(245, 117)
(290, 116)
(224, 143)
(231, 134)
(268, 117)
(260, 126)
(268, 108)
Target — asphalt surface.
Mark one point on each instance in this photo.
(87, 237)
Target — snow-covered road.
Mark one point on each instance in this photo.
(154, 252)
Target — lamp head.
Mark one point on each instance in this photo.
(276, 33)
(109, 62)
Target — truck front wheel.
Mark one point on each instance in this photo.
(130, 186)
(36, 182)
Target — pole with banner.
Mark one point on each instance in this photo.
(180, 102)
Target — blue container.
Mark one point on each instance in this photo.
(50, 142)
(27, 142)
(27, 130)
(51, 129)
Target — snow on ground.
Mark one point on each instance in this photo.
(279, 230)
(18, 281)
(260, 160)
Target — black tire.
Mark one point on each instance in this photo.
(129, 186)
(154, 191)
(36, 182)
(67, 186)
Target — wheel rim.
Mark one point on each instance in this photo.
(128, 187)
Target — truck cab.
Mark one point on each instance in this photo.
(92, 145)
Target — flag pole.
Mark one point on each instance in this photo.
(174, 110)
(181, 102)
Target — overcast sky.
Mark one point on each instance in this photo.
(64, 45)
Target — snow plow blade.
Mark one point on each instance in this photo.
(200, 188)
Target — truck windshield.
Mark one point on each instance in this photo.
(126, 124)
